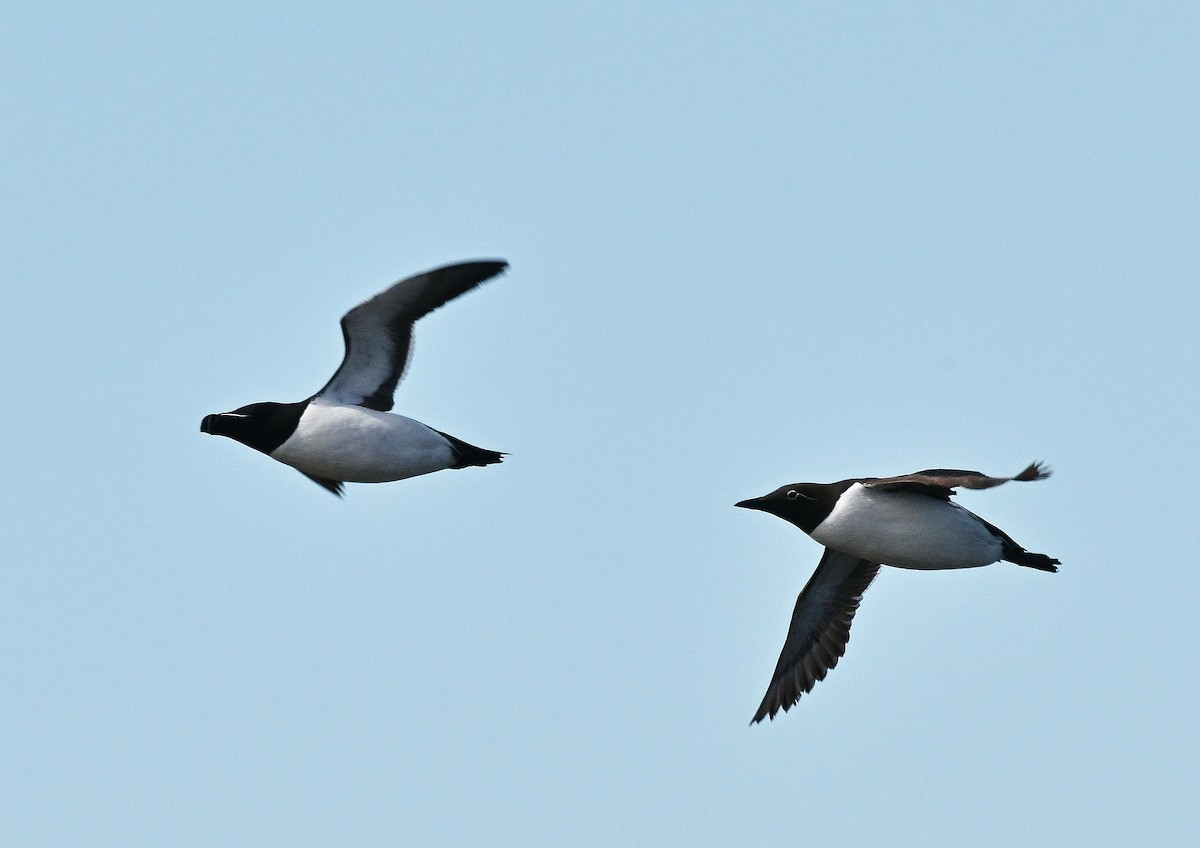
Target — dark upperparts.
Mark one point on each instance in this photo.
(941, 482)
(262, 426)
(804, 504)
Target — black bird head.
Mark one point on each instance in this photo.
(804, 504)
(262, 426)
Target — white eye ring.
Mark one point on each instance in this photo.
(792, 494)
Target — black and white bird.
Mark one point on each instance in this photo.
(346, 432)
(866, 522)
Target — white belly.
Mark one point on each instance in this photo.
(906, 529)
(362, 445)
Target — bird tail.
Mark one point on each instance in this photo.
(466, 455)
(1012, 552)
(1015, 553)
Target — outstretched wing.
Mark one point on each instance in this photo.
(378, 332)
(819, 630)
(941, 482)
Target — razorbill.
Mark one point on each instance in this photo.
(345, 432)
(906, 521)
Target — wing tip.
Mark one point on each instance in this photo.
(766, 713)
(485, 269)
(1037, 470)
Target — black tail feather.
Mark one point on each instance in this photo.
(467, 455)
(1020, 556)
(1012, 552)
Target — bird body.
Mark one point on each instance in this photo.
(864, 523)
(907, 530)
(360, 445)
(346, 432)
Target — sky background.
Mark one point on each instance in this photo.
(751, 244)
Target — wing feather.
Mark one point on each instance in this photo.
(941, 482)
(378, 332)
(819, 630)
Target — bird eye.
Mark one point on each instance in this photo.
(792, 494)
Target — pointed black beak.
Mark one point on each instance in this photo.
(752, 503)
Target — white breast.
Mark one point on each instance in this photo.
(906, 529)
(361, 445)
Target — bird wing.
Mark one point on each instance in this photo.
(378, 332)
(819, 630)
(941, 482)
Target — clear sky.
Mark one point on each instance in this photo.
(751, 244)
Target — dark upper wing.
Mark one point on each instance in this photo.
(941, 482)
(378, 332)
(819, 630)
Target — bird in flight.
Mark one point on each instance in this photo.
(908, 522)
(346, 432)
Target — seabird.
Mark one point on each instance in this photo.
(346, 432)
(907, 521)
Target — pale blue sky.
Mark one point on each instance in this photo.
(751, 244)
